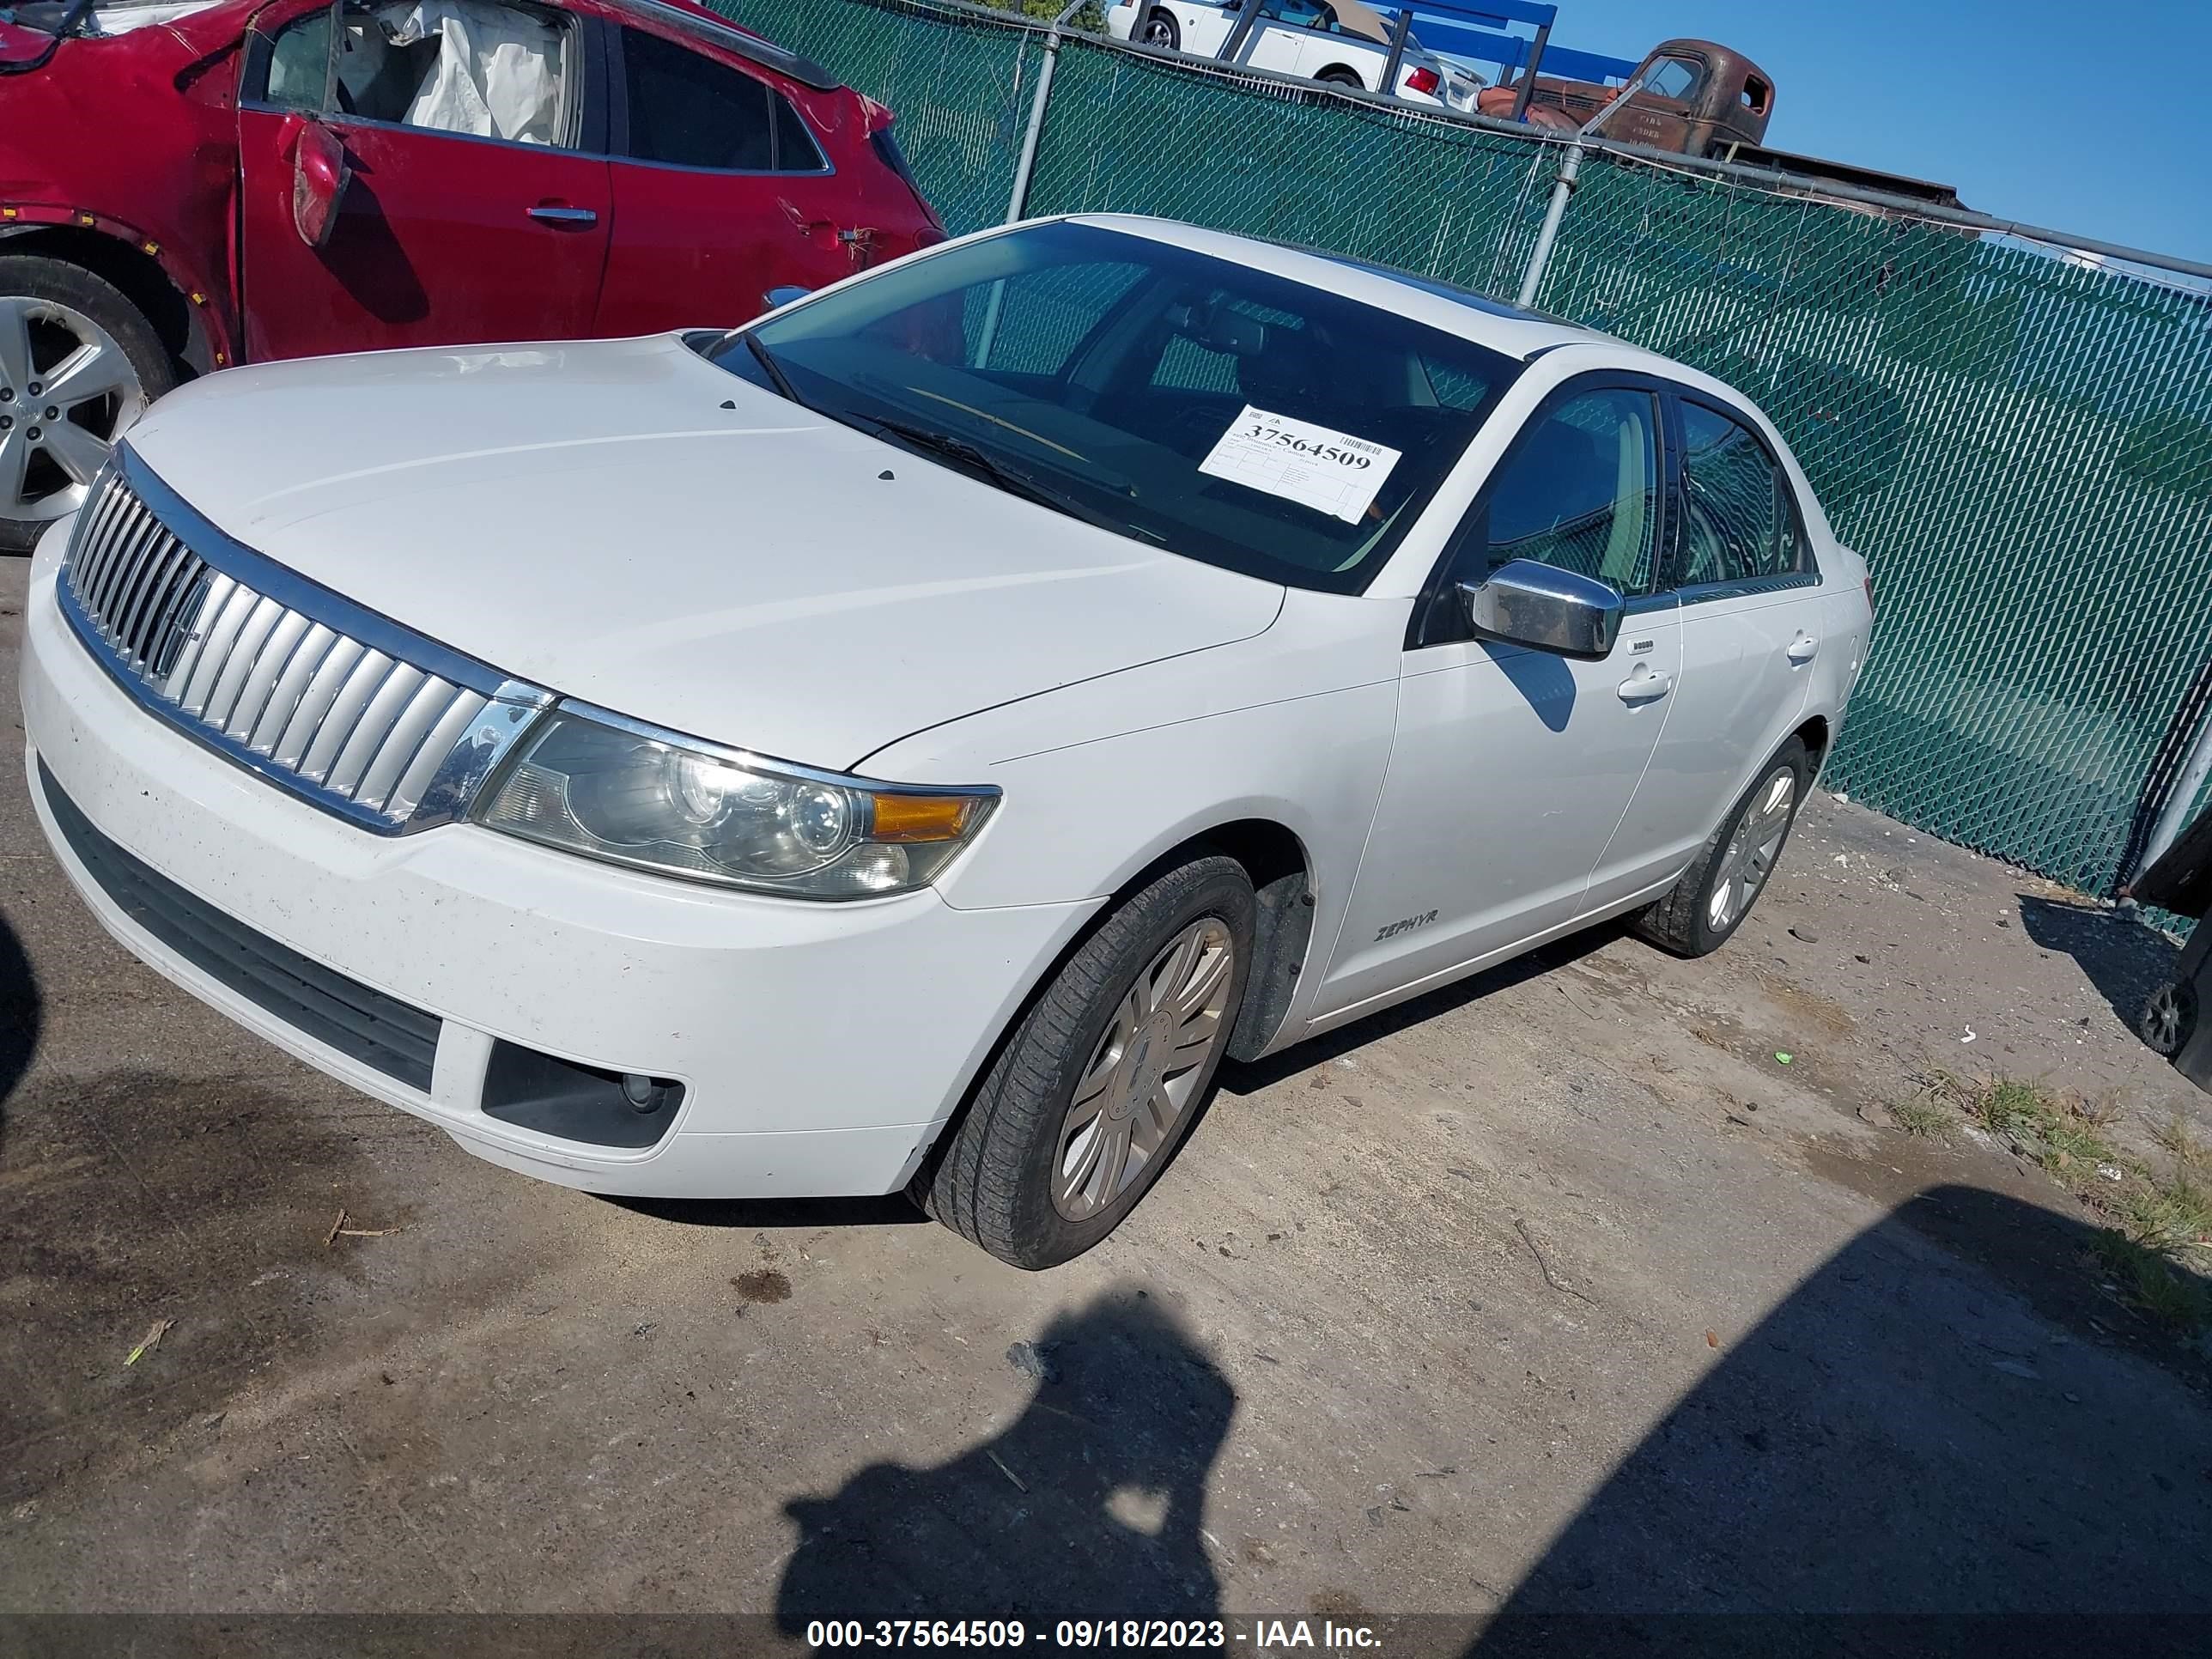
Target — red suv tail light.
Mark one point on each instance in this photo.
(1423, 81)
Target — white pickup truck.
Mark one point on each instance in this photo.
(1341, 42)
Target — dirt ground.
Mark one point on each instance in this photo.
(1555, 1293)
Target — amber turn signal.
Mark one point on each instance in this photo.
(923, 818)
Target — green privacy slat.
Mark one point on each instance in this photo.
(2020, 443)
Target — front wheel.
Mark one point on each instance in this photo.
(78, 361)
(2169, 1018)
(1716, 893)
(1160, 29)
(1098, 1085)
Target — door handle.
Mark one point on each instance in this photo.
(1644, 686)
(1802, 649)
(567, 218)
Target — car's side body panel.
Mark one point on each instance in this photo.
(423, 206)
(1496, 756)
(1511, 770)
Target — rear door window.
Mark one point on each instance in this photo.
(691, 110)
(1739, 520)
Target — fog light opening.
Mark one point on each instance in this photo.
(646, 1095)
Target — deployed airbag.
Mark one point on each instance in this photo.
(498, 73)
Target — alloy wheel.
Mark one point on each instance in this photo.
(1143, 1075)
(1753, 849)
(66, 392)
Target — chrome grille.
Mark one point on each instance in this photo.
(338, 704)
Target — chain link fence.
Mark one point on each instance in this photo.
(2017, 436)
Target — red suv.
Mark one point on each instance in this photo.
(190, 184)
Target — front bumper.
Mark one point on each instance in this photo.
(820, 1047)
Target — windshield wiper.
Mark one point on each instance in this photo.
(772, 368)
(1012, 480)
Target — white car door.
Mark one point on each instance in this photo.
(1514, 767)
(1326, 47)
(1279, 39)
(1752, 627)
(1205, 29)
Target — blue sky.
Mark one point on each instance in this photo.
(2021, 105)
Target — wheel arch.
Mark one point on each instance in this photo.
(180, 307)
(1281, 871)
(1815, 734)
(1281, 868)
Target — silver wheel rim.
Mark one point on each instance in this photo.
(1753, 849)
(66, 390)
(1144, 1073)
(1159, 32)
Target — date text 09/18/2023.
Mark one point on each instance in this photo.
(1256, 1635)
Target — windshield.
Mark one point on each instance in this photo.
(1190, 402)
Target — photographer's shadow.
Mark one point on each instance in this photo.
(1092, 1499)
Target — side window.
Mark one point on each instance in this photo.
(465, 66)
(689, 110)
(1580, 490)
(1737, 522)
(300, 63)
(1674, 78)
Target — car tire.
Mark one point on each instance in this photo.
(57, 309)
(1160, 29)
(1341, 78)
(1050, 1156)
(2169, 1018)
(1693, 919)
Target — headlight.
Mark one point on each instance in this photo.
(659, 803)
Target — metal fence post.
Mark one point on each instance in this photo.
(1571, 164)
(1025, 169)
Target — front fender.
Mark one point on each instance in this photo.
(1292, 727)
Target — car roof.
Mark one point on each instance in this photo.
(712, 27)
(1508, 329)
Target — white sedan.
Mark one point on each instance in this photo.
(1343, 44)
(911, 741)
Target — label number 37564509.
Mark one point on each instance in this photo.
(1298, 443)
(1334, 472)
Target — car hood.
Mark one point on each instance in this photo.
(622, 522)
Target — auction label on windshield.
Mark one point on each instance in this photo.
(1330, 471)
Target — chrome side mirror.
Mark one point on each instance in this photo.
(784, 295)
(1526, 603)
